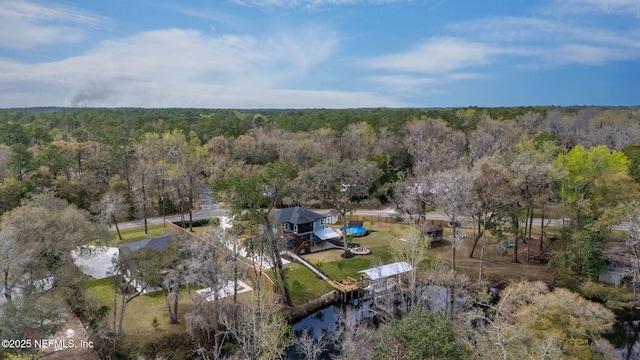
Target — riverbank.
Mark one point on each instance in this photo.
(300, 311)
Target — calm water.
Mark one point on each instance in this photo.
(625, 335)
(328, 319)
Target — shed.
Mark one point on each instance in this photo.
(386, 271)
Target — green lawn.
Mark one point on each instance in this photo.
(137, 326)
(303, 284)
(341, 269)
(137, 234)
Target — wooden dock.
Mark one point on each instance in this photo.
(345, 287)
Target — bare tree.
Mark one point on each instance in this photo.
(491, 191)
(413, 198)
(453, 194)
(630, 212)
(412, 248)
(261, 329)
(308, 346)
(353, 338)
(433, 145)
(112, 208)
(206, 266)
(492, 138)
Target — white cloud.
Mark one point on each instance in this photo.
(499, 44)
(627, 7)
(437, 55)
(415, 85)
(403, 84)
(310, 3)
(552, 42)
(184, 68)
(588, 54)
(532, 30)
(24, 25)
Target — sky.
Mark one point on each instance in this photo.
(254, 54)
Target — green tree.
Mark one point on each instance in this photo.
(184, 163)
(531, 173)
(36, 240)
(563, 324)
(420, 335)
(583, 174)
(53, 157)
(254, 196)
(592, 183)
(142, 270)
(632, 152)
(12, 191)
(20, 160)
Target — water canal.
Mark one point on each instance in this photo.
(624, 337)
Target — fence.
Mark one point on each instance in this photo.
(176, 229)
(263, 276)
(394, 219)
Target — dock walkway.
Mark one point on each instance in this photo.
(349, 286)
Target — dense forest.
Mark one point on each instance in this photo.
(500, 167)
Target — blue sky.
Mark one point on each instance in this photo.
(319, 53)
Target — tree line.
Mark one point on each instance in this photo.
(499, 167)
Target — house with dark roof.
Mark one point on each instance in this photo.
(303, 225)
(159, 243)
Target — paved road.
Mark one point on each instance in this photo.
(208, 209)
(436, 216)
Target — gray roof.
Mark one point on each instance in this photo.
(296, 215)
(159, 243)
(385, 271)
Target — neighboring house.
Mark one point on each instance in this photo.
(38, 286)
(160, 243)
(305, 224)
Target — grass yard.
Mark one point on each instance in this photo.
(303, 284)
(137, 234)
(497, 267)
(382, 236)
(137, 326)
(342, 268)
